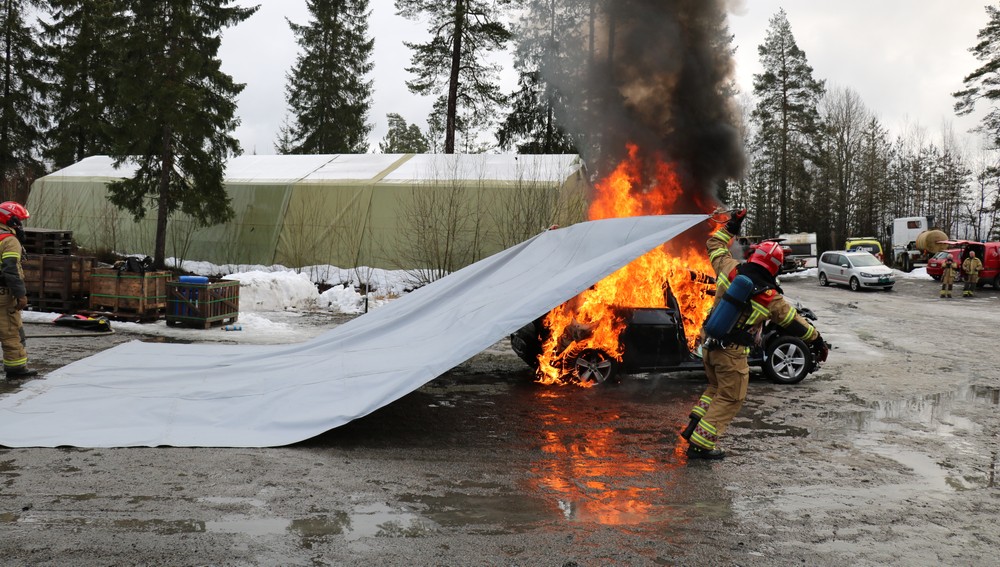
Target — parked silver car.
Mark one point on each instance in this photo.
(855, 269)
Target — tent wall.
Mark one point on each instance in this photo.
(383, 211)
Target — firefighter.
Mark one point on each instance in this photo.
(947, 276)
(725, 360)
(971, 267)
(13, 295)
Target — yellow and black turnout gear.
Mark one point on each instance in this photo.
(948, 277)
(725, 360)
(971, 267)
(15, 357)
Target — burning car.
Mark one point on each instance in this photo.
(654, 339)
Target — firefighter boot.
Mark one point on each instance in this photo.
(696, 452)
(19, 372)
(686, 434)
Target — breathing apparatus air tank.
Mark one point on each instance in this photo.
(727, 312)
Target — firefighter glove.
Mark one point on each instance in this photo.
(824, 350)
(735, 222)
(22, 303)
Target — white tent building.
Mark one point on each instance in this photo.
(392, 211)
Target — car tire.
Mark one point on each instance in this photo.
(823, 281)
(595, 366)
(996, 282)
(888, 288)
(855, 284)
(936, 278)
(787, 360)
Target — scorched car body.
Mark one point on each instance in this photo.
(654, 340)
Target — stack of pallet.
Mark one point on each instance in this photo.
(48, 241)
(56, 280)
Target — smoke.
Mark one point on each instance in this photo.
(657, 73)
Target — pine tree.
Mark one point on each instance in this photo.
(327, 92)
(174, 112)
(23, 111)
(403, 138)
(453, 62)
(77, 40)
(983, 82)
(786, 113)
(545, 31)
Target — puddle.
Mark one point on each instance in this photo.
(513, 513)
(380, 520)
(368, 520)
(249, 526)
(932, 414)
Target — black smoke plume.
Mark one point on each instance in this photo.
(657, 73)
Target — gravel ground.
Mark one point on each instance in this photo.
(886, 456)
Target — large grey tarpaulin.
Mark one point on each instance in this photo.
(211, 395)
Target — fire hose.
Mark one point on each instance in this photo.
(69, 334)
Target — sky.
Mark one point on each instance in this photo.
(903, 57)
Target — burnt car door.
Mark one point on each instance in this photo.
(654, 338)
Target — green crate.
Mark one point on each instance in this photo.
(202, 304)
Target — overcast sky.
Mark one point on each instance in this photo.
(903, 57)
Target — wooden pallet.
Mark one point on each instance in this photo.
(48, 241)
(59, 283)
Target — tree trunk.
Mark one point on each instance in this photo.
(456, 62)
(7, 110)
(163, 202)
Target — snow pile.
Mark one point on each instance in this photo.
(277, 288)
(275, 291)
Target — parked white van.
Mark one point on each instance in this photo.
(854, 269)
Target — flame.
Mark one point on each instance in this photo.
(595, 318)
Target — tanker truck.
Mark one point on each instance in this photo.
(914, 242)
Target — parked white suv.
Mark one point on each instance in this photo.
(854, 269)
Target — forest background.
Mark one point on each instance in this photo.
(812, 157)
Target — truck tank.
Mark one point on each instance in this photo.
(929, 241)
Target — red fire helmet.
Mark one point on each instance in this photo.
(770, 255)
(10, 209)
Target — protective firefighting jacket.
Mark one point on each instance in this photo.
(10, 263)
(948, 270)
(765, 305)
(972, 266)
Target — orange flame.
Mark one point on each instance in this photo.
(593, 320)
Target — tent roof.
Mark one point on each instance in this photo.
(390, 168)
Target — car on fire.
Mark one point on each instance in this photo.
(654, 340)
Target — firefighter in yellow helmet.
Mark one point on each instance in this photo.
(948, 276)
(971, 267)
(13, 295)
(725, 360)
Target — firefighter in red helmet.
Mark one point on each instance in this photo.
(725, 359)
(13, 295)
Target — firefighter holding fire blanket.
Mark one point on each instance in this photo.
(725, 356)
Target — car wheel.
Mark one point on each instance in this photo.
(936, 278)
(996, 282)
(822, 279)
(855, 284)
(888, 288)
(593, 365)
(787, 360)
